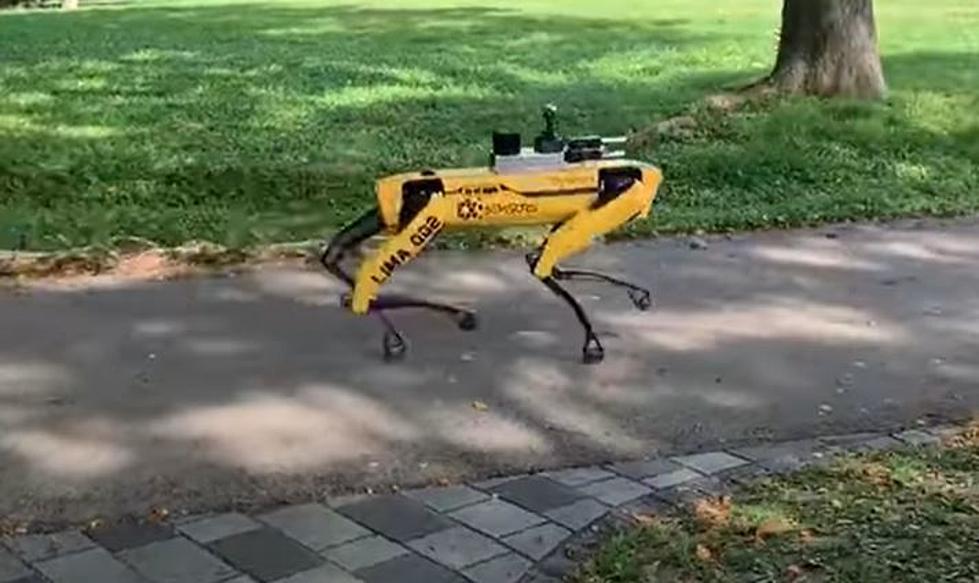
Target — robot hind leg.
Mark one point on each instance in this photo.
(574, 236)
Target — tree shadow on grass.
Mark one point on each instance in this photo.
(286, 113)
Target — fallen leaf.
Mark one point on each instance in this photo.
(159, 514)
(806, 537)
(793, 572)
(704, 554)
(877, 474)
(713, 512)
(772, 527)
(644, 518)
(480, 406)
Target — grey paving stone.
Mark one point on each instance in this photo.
(643, 507)
(410, 568)
(557, 565)
(266, 554)
(537, 493)
(882, 443)
(645, 469)
(711, 462)
(396, 517)
(785, 465)
(848, 439)
(616, 491)
(323, 574)
(448, 498)
(671, 479)
(786, 457)
(917, 437)
(496, 517)
(457, 547)
(347, 499)
(494, 482)
(32, 578)
(747, 475)
(537, 542)
(176, 560)
(314, 525)
(579, 476)
(682, 495)
(364, 552)
(212, 528)
(129, 535)
(88, 567)
(578, 515)
(710, 485)
(769, 451)
(242, 579)
(40, 547)
(539, 578)
(506, 569)
(11, 567)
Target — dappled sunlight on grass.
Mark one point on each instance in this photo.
(247, 122)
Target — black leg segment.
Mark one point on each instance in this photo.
(640, 296)
(365, 227)
(592, 351)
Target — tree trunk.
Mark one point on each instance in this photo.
(69, 4)
(828, 48)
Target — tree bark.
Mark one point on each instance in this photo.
(829, 48)
(69, 4)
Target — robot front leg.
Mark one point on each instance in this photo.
(398, 250)
(349, 238)
(641, 297)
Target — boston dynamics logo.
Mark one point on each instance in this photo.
(469, 210)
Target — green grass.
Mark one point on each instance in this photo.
(906, 516)
(250, 122)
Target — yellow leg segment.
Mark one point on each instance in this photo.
(398, 250)
(576, 235)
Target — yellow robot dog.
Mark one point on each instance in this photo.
(579, 186)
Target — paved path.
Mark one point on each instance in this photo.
(526, 528)
(256, 389)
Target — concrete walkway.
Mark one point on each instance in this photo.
(245, 391)
(526, 528)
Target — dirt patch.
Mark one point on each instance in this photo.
(141, 264)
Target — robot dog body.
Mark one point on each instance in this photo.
(579, 186)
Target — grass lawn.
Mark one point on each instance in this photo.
(909, 515)
(246, 122)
